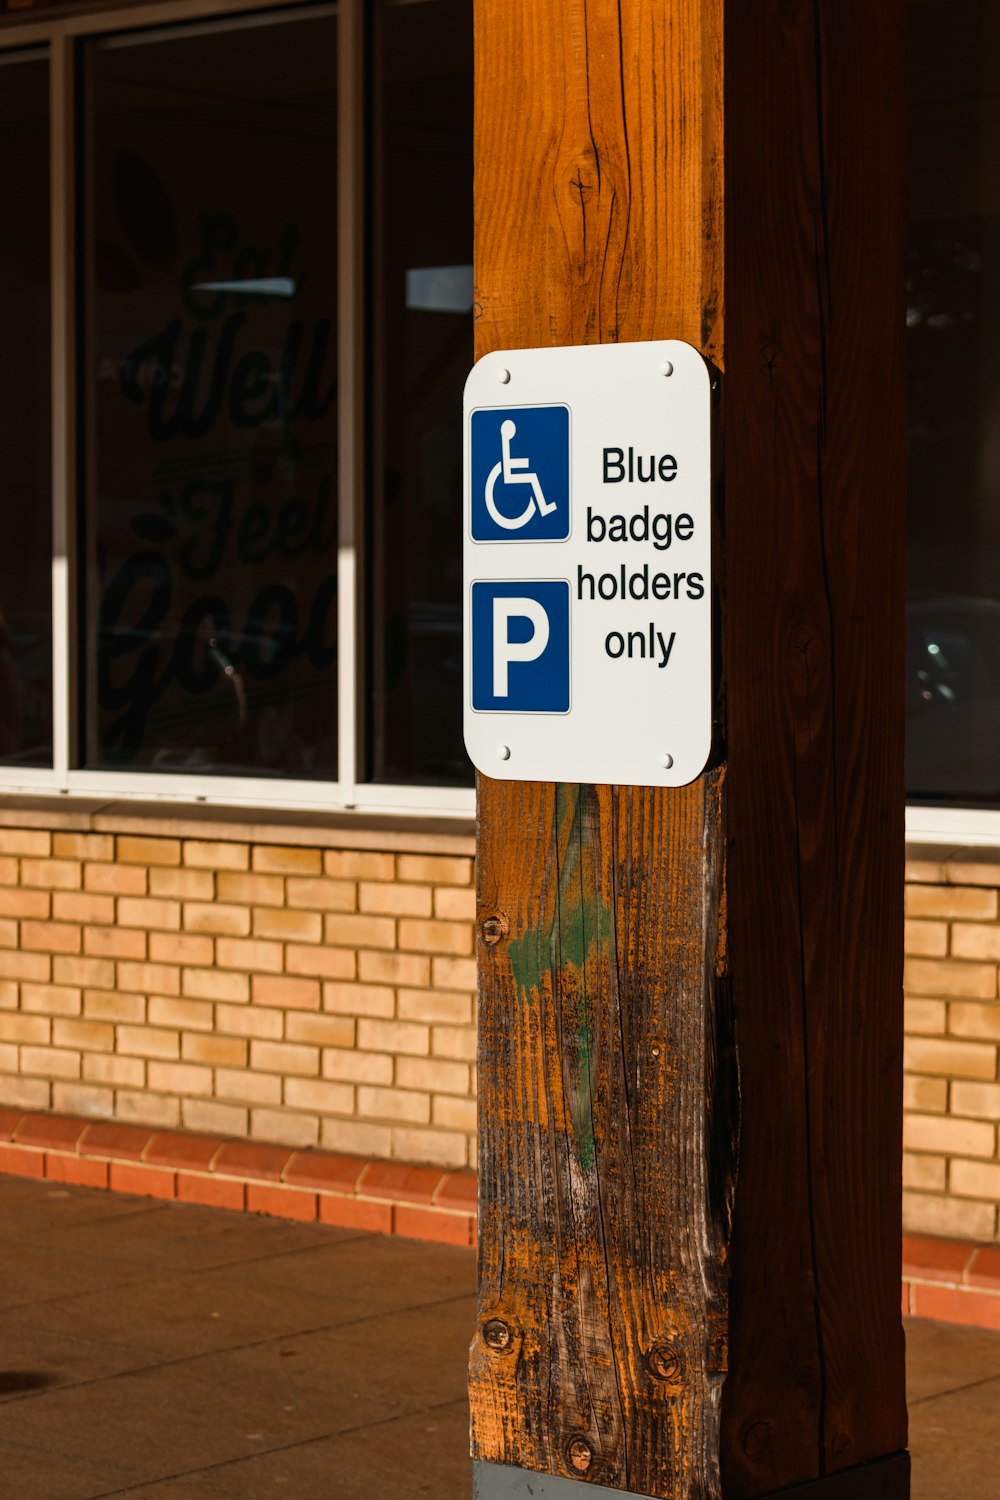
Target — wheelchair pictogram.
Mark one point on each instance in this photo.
(519, 472)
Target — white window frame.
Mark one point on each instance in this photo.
(60, 36)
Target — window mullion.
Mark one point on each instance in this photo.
(62, 156)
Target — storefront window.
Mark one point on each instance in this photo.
(953, 318)
(210, 567)
(25, 399)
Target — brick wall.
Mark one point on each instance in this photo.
(307, 995)
(951, 1165)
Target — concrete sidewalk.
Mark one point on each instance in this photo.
(179, 1353)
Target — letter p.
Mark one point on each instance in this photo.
(504, 649)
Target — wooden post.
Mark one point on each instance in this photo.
(689, 1285)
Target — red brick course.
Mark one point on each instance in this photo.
(951, 1281)
(353, 1192)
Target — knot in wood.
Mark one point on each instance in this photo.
(579, 1454)
(664, 1363)
(756, 1439)
(493, 927)
(497, 1334)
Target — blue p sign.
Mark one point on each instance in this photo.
(520, 647)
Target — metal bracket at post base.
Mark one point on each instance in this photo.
(884, 1479)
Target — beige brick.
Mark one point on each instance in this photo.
(115, 880)
(410, 969)
(454, 974)
(435, 937)
(247, 1087)
(10, 872)
(435, 869)
(325, 1098)
(90, 973)
(950, 1058)
(926, 938)
(284, 1057)
(88, 1036)
(455, 903)
(253, 890)
(452, 1008)
(83, 1099)
(186, 948)
(454, 1041)
(973, 872)
(9, 935)
(216, 1051)
(208, 854)
(120, 1072)
(30, 1093)
(925, 1017)
(114, 942)
(394, 1104)
(967, 902)
(251, 954)
(355, 931)
(188, 1015)
(99, 846)
(214, 1118)
(51, 999)
(114, 1005)
(453, 1113)
(394, 1036)
(157, 1110)
(433, 1074)
(8, 994)
(320, 963)
(979, 1022)
(157, 979)
(969, 1179)
(392, 899)
(924, 872)
(215, 984)
(277, 859)
(142, 851)
(284, 1128)
(18, 903)
(924, 1172)
(180, 1078)
(356, 864)
(321, 1031)
(32, 966)
(281, 990)
(927, 1094)
(981, 1100)
(215, 918)
(975, 940)
(36, 1030)
(25, 841)
(149, 911)
(947, 1136)
(349, 1066)
(358, 999)
(77, 906)
(323, 895)
(182, 885)
(243, 1020)
(934, 976)
(149, 1041)
(440, 1148)
(286, 925)
(357, 1137)
(8, 1057)
(49, 1062)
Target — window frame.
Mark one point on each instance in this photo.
(62, 37)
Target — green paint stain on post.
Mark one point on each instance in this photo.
(571, 949)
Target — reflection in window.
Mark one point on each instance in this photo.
(210, 516)
(25, 399)
(953, 321)
(423, 352)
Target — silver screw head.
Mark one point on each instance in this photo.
(504, 752)
(666, 368)
(666, 760)
(503, 376)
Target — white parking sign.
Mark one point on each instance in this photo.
(588, 617)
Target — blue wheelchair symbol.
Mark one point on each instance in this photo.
(520, 474)
(520, 647)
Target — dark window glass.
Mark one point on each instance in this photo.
(211, 365)
(25, 401)
(422, 257)
(953, 318)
